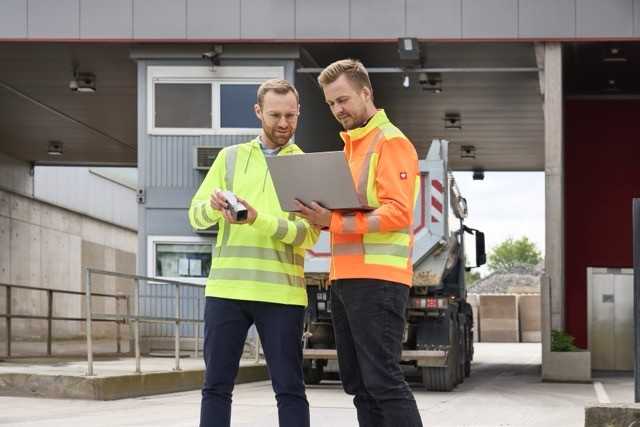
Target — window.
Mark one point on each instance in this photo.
(185, 258)
(175, 260)
(204, 101)
(183, 105)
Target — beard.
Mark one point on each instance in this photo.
(277, 137)
(353, 121)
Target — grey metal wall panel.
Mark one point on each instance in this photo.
(485, 19)
(168, 222)
(377, 19)
(54, 19)
(211, 19)
(13, 19)
(434, 19)
(169, 159)
(328, 19)
(159, 19)
(611, 18)
(169, 198)
(546, 18)
(267, 19)
(636, 18)
(111, 19)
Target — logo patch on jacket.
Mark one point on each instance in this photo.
(403, 175)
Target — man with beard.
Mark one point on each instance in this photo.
(371, 265)
(257, 269)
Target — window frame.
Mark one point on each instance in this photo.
(216, 77)
(153, 241)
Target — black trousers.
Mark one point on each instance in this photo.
(226, 323)
(368, 320)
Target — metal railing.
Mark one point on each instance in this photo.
(135, 319)
(9, 315)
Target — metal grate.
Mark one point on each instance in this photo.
(204, 157)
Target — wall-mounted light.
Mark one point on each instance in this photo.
(468, 152)
(431, 82)
(452, 121)
(409, 49)
(83, 82)
(406, 82)
(478, 174)
(614, 54)
(55, 148)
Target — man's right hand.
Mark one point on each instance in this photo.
(217, 201)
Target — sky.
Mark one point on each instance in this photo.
(503, 205)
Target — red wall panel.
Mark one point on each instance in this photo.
(602, 176)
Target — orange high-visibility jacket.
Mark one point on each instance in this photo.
(377, 244)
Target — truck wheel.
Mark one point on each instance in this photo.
(312, 374)
(438, 379)
(443, 378)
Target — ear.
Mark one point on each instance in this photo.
(258, 111)
(366, 92)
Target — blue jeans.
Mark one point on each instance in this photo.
(368, 321)
(226, 323)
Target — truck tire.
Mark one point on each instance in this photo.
(443, 378)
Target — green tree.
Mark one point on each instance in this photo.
(512, 253)
(471, 277)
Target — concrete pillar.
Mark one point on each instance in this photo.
(554, 188)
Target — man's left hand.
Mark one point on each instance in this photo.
(315, 214)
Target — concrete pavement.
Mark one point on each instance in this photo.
(504, 390)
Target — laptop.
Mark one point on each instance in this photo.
(321, 177)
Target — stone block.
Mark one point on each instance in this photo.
(499, 318)
(529, 313)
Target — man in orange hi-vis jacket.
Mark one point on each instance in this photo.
(371, 264)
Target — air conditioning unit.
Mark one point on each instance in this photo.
(203, 157)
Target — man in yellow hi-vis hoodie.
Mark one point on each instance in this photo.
(257, 271)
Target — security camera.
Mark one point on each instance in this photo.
(213, 55)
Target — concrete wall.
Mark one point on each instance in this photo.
(15, 175)
(42, 245)
(108, 194)
(312, 20)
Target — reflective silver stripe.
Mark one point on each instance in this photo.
(283, 228)
(349, 224)
(194, 215)
(256, 276)
(230, 166)
(347, 249)
(386, 249)
(301, 234)
(261, 253)
(373, 223)
(203, 210)
(366, 166)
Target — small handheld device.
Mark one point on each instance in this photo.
(237, 210)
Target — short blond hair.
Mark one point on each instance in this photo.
(352, 68)
(281, 87)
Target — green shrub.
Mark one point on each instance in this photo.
(561, 341)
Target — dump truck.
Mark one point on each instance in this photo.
(438, 337)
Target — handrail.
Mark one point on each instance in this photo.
(9, 316)
(135, 318)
